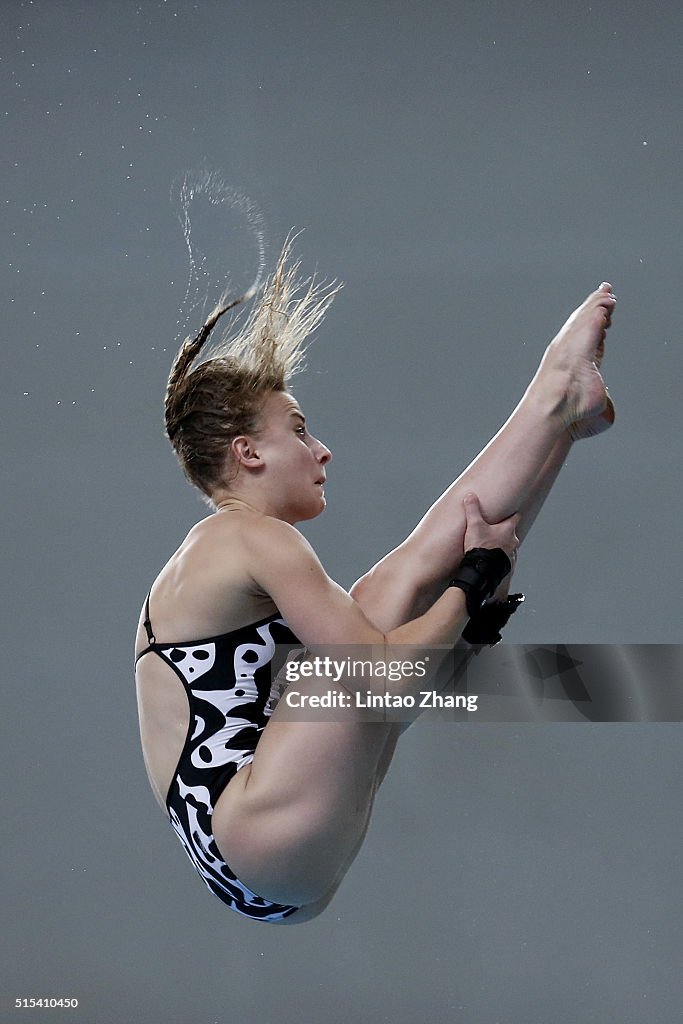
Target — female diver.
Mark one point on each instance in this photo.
(272, 811)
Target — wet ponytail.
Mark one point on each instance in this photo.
(187, 354)
(221, 398)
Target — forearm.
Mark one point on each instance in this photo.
(441, 624)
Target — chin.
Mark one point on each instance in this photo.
(311, 513)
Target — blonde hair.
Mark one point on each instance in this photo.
(221, 398)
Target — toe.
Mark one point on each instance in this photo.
(606, 301)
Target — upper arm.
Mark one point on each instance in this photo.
(316, 609)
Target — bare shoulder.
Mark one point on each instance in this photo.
(318, 610)
(207, 586)
(265, 538)
(240, 544)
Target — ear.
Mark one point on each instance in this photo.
(245, 452)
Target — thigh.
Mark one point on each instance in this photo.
(290, 823)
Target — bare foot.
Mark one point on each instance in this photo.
(594, 425)
(569, 370)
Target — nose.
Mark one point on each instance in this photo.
(323, 453)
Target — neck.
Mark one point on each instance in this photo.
(232, 504)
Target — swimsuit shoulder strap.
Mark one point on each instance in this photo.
(147, 624)
(151, 640)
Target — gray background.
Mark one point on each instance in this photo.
(470, 171)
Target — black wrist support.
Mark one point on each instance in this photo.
(479, 575)
(485, 626)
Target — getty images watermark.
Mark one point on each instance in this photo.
(506, 683)
(348, 671)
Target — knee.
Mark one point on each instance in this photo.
(403, 581)
(362, 588)
(401, 567)
(384, 597)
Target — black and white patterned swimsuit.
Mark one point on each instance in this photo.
(231, 687)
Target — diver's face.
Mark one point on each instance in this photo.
(294, 461)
